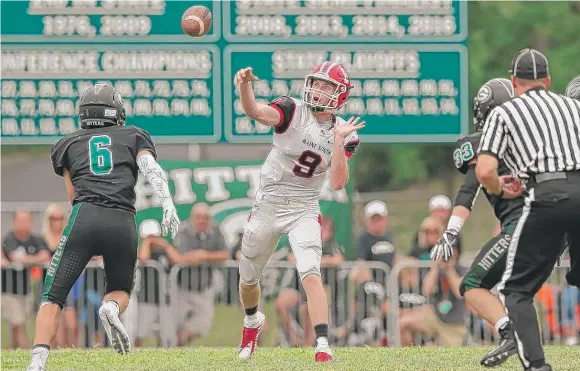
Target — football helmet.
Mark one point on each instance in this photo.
(333, 73)
(573, 89)
(490, 95)
(101, 105)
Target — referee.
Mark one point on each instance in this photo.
(537, 134)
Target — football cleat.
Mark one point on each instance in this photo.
(253, 325)
(109, 314)
(323, 354)
(507, 347)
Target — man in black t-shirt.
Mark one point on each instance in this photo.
(22, 249)
(376, 243)
(199, 243)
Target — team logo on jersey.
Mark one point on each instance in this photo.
(484, 94)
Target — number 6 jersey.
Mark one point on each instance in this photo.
(299, 161)
(102, 164)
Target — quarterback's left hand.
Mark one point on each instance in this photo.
(351, 125)
(170, 220)
(443, 249)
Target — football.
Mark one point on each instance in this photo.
(196, 21)
(514, 184)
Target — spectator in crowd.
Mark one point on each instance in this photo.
(410, 286)
(149, 295)
(23, 249)
(55, 219)
(376, 243)
(440, 207)
(291, 298)
(444, 317)
(570, 307)
(569, 299)
(199, 241)
(237, 249)
(430, 230)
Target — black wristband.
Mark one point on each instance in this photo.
(500, 195)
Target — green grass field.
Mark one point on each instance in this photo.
(405, 359)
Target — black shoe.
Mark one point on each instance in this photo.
(545, 367)
(507, 347)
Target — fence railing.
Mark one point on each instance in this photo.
(200, 304)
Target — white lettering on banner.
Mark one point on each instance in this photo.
(250, 174)
(10, 127)
(198, 61)
(40, 61)
(9, 89)
(182, 182)
(215, 177)
(360, 64)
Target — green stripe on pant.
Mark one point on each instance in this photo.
(57, 257)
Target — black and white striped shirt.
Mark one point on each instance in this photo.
(537, 132)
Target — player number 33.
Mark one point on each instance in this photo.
(463, 154)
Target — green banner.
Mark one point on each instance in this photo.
(407, 61)
(229, 188)
(401, 91)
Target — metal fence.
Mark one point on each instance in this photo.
(200, 305)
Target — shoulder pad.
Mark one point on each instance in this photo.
(465, 151)
(287, 107)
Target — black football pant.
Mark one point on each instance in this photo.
(93, 230)
(552, 209)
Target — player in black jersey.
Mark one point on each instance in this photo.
(488, 266)
(100, 164)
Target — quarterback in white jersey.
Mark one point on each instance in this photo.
(310, 145)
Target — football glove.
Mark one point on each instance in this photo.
(170, 220)
(443, 249)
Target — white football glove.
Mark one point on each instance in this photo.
(443, 249)
(170, 219)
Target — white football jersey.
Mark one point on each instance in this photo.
(299, 162)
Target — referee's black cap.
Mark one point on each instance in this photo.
(530, 64)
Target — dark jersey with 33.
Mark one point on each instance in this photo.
(465, 151)
(102, 164)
